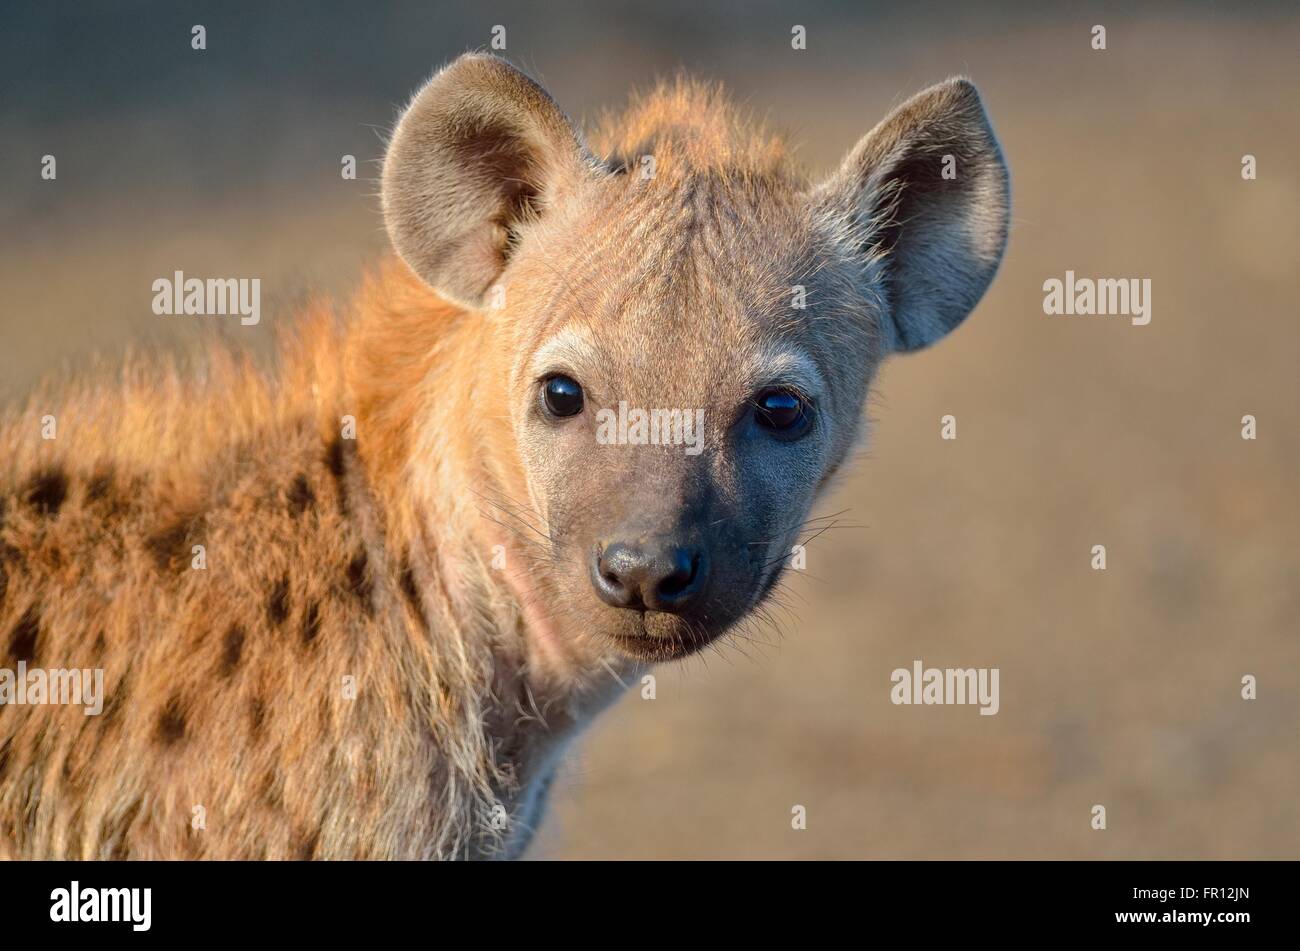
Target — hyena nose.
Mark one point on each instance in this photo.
(649, 577)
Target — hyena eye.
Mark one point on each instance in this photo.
(783, 412)
(562, 396)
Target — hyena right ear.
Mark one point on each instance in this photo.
(479, 151)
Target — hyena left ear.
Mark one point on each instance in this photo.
(924, 196)
(479, 152)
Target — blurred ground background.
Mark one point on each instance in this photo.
(1119, 687)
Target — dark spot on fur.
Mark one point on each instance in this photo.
(311, 622)
(116, 697)
(412, 591)
(4, 756)
(9, 556)
(301, 497)
(47, 490)
(108, 495)
(232, 650)
(100, 484)
(169, 546)
(194, 842)
(272, 788)
(71, 775)
(334, 457)
(22, 640)
(334, 461)
(256, 716)
(171, 723)
(306, 847)
(359, 582)
(277, 602)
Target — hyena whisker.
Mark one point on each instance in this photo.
(807, 527)
(804, 543)
(519, 514)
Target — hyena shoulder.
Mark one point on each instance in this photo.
(208, 543)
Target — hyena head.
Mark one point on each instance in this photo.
(686, 329)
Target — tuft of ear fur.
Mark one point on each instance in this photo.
(479, 151)
(925, 197)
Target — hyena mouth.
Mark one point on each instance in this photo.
(656, 636)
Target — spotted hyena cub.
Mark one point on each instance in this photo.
(355, 608)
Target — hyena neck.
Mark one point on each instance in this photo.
(434, 442)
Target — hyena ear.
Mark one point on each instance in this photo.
(480, 150)
(924, 197)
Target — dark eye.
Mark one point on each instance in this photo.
(562, 396)
(782, 411)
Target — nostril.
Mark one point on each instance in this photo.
(684, 569)
(617, 572)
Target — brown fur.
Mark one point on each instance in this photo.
(224, 684)
(330, 557)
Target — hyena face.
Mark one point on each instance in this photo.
(686, 330)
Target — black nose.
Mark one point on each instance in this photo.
(650, 577)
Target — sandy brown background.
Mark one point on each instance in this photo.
(1118, 687)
